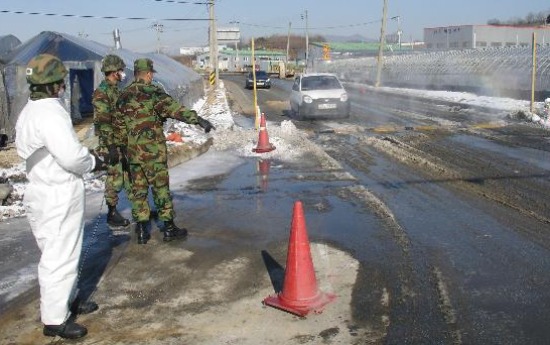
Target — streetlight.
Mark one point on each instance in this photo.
(159, 28)
(237, 44)
(398, 18)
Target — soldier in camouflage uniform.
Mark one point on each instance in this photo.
(104, 102)
(144, 107)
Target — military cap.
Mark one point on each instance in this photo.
(112, 63)
(45, 69)
(143, 65)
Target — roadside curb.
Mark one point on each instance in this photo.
(182, 154)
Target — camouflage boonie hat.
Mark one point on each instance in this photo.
(45, 69)
(143, 65)
(112, 63)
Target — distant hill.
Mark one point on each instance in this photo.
(351, 38)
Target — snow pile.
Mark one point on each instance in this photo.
(504, 107)
(15, 179)
(213, 108)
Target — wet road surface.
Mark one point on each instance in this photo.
(465, 191)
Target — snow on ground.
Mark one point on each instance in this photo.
(511, 107)
(243, 140)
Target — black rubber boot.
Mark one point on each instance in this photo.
(79, 307)
(68, 330)
(142, 234)
(172, 232)
(115, 219)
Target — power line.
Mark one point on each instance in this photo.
(183, 2)
(100, 17)
(314, 28)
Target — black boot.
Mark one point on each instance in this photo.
(172, 232)
(142, 234)
(115, 219)
(68, 329)
(79, 307)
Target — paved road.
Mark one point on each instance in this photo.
(464, 193)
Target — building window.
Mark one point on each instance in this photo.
(496, 44)
(510, 44)
(481, 44)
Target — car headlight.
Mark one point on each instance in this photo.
(344, 97)
(308, 99)
(268, 80)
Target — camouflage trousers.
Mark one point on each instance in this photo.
(117, 179)
(154, 175)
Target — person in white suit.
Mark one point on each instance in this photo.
(55, 195)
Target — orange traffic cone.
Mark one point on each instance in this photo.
(263, 141)
(174, 136)
(300, 294)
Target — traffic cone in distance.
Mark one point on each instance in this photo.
(300, 294)
(263, 141)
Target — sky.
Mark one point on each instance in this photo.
(254, 18)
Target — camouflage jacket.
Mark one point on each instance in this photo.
(104, 102)
(144, 108)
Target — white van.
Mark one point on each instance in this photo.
(318, 95)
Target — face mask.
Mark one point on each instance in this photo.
(61, 92)
(122, 75)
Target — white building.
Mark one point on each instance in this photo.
(193, 50)
(484, 36)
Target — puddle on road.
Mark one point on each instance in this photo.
(252, 207)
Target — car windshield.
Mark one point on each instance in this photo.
(325, 82)
(260, 75)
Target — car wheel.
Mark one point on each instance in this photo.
(297, 114)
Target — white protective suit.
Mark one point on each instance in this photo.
(54, 200)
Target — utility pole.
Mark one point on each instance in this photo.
(288, 42)
(307, 39)
(213, 41)
(237, 61)
(533, 71)
(382, 44)
(159, 28)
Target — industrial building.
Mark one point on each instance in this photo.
(484, 36)
(239, 60)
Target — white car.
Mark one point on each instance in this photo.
(318, 95)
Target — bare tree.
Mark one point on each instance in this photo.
(531, 19)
